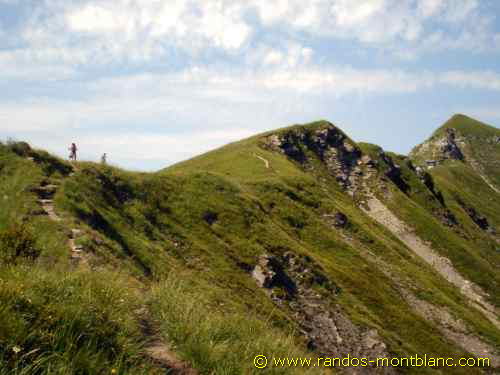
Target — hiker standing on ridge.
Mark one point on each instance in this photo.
(72, 152)
(103, 159)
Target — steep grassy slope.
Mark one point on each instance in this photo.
(99, 317)
(469, 185)
(304, 188)
(53, 320)
(263, 246)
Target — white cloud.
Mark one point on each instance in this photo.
(32, 116)
(273, 57)
(169, 117)
(223, 24)
(429, 8)
(273, 11)
(459, 10)
(94, 18)
(391, 24)
(155, 99)
(354, 13)
(105, 31)
(178, 22)
(241, 85)
(18, 65)
(288, 55)
(477, 80)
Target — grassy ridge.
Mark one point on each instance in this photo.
(57, 320)
(247, 226)
(191, 233)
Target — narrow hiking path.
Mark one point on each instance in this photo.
(476, 296)
(45, 193)
(266, 162)
(155, 348)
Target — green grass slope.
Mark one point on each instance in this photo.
(467, 188)
(182, 243)
(479, 142)
(60, 318)
(306, 197)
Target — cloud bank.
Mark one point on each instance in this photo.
(148, 72)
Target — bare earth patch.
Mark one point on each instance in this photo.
(380, 213)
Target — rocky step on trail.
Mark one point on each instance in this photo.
(155, 349)
(45, 193)
(48, 208)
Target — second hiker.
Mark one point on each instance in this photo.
(72, 152)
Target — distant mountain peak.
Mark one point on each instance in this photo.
(468, 125)
(457, 137)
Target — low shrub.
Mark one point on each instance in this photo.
(22, 149)
(17, 242)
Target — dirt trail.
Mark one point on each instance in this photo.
(157, 350)
(266, 162)
(45, 193)
(451, 328)
(379, 212)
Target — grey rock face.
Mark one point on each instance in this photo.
(480, 220)
(297, 284)
(329, 144)
(394, 172)
(338, 220)
(449, 146)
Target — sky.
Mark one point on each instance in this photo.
(154, 82)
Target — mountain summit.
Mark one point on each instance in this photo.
(299, 241)
(468, 140)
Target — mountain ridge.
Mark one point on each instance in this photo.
(333, 247)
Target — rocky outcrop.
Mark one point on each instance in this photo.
(289, 272)
(428, 181)
(394, 173)
(210, 217)
(329, 144)
(449, 147)
(443, 214)
(480, 220)
(337, 220)
(298, 285)
(269, 273)
(447, 217)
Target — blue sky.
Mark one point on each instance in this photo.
(154, 82)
